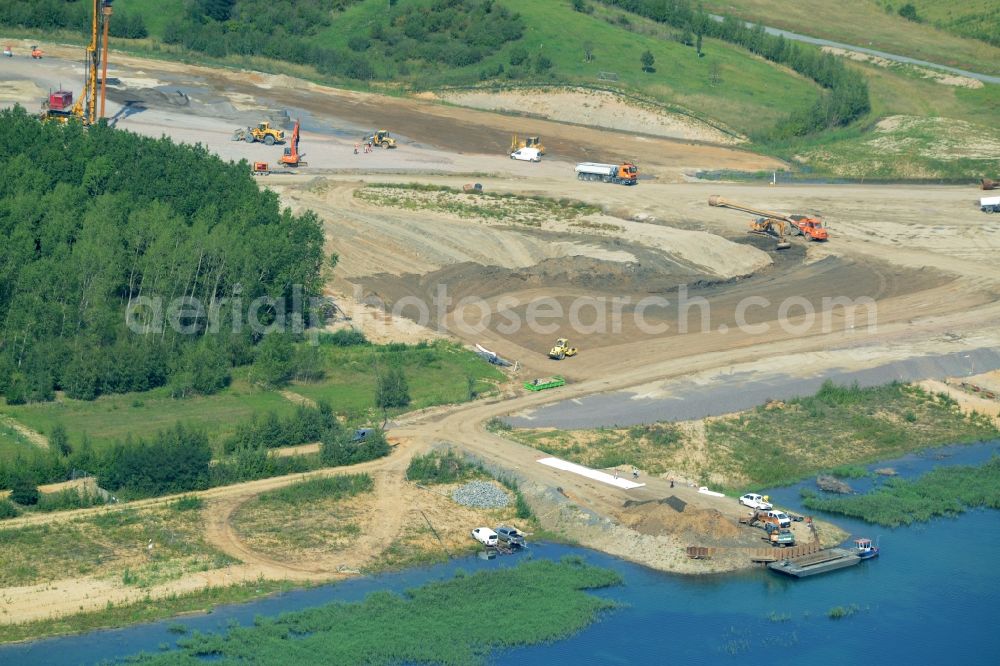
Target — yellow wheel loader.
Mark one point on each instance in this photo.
(263, 133)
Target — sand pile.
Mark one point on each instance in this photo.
(655, 519)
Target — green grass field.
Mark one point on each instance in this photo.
(113, 417)
(436, 374)
(13, 443)
(978, 19)
(727, 86)
(930, 130)
(885, 30)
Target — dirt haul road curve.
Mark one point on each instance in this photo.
(922, 253)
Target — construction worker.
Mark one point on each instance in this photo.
(355, 149)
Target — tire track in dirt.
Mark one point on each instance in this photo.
(33, 436)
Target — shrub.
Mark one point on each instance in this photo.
(392, 389)
(497, 424)
(174, 460)
(58, 439)
(8, 510)
(304, 425)
(345, 337)
(188, 503)
(437, 467)
(338, 449)
(24, 491)
(273, 364)
(909, 12)
(358, 43)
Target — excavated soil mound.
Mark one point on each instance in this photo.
(703, 525)
(587, 274)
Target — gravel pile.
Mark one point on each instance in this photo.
(480, 495)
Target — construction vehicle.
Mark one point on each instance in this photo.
(526, 155)
(562, 349)
(263, 133)
(985, 183)
(989, 204)
(291, 156)
(770, 226)
(60, 106)
(543, 383)
(381, 139)
(529, 142)
(810, 227)
(260, 169)
(8, 52)
(625, 173)
(779, 537)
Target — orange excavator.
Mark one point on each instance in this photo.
(811, 228)
(292, 157)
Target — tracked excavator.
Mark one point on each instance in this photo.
(292, 157)
(777, 224)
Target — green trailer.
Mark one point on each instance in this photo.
(544, 383)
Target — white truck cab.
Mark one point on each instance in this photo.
(527, 155)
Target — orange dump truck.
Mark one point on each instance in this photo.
(625, 173)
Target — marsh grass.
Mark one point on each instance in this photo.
(947, 491)
(840, 612)
(447, 622)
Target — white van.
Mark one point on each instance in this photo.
(527, 155)
(485, 536)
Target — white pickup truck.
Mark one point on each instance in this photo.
(755, 501)
(989, 204)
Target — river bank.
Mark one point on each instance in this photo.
(712, 619)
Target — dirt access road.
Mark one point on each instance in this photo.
(924, 256)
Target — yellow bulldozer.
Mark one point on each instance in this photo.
(263, 133)
(381, 139)
(562, 349)
(529, 142)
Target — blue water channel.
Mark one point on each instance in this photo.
(932, 597)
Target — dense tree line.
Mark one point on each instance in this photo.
(846, 97)
(179, 459)
(172, 461)
(452, 32)
(68, 15)
(304, 425)
(99, 224)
